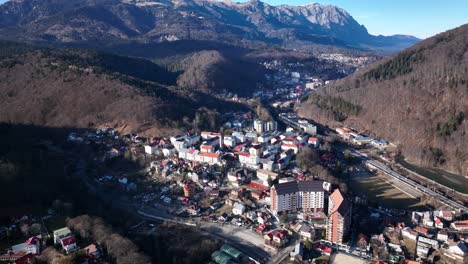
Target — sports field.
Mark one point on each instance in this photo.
(377, 189)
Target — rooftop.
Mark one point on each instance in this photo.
(298, 186)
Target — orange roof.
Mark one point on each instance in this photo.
(337, 199)
(288, 145)
(421, 229)
(211, 155)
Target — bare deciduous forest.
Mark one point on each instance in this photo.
(417, 99)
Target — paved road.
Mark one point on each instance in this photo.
(385, 169)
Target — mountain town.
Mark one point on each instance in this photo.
(199, 131)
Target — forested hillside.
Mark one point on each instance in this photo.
(76, 88)
(417, 99)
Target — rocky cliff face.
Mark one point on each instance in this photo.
(110, 21)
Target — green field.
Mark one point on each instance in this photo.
(378, 190)
(457, 182)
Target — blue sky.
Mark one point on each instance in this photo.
(420, 18)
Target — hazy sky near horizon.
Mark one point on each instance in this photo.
(420, 18)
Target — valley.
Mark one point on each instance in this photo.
(206, 131)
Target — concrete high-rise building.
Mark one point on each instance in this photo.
(259, 126)
(297, 195)
(271, 125)
(339, 217)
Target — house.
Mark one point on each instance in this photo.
(361, 140)
(180, 144)
(210, 158)
(428, 219)
(309, 128)
(207, 148)
(446, 215)
(297, 253)
(460, 225)
(151, 149)
(180, 137)
(295, 148)
(422, 251)
(68, 244)
(61, 233)
(264, 175)
(379, 143)
(238, 208)
(93, 251)
(169, 151)
(428, 242)
(442, 236)
(342, 131)
(307, 232)
(31, 246)
(256, 150)
(438, 223)
(324, 249)
(268, 165)
(409, 233)
(192, 140)
(208, 135)
(416, 217)
(239, 137)
(248, 160)
(230, 141)
(459, 250)
(313, 142)
(422, 230)
(251, 137)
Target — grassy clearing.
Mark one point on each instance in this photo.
(383, 193)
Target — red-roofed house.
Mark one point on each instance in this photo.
(31, 246)
(460, 225)
(210, 158)
(286, 146)
(68, 244)
(207, 148)
(313, 141)
(422, 230)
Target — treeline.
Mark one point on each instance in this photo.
(399, 65)
(120, 249)
(178, 244)
(337, 106)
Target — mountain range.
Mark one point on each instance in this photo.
(417, 99)
(110, 23)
